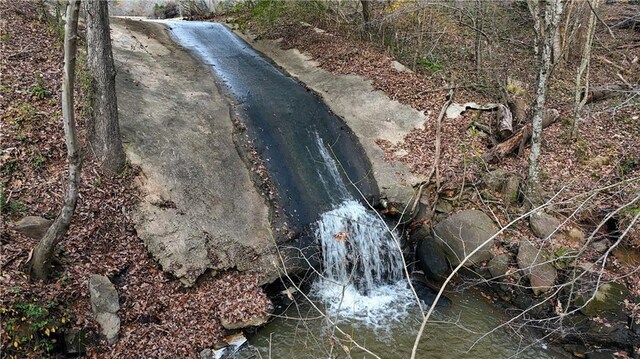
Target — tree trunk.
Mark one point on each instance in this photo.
(582, 89)
(43, 252)
(546, 18)
(366, 14)
(104, 131)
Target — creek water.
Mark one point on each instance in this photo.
(321, 176)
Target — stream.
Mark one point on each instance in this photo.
(321, 176)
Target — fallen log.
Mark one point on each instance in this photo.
(599, 93)
(504, 122)
(519, 139)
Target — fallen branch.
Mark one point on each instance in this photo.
(604, 92)
(519, 139)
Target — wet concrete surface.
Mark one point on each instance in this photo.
(287, 123)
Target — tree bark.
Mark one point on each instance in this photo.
(582, 75)
(546, 18)
(43, 252)
(504, 122)
(104, 131)
(366, 13)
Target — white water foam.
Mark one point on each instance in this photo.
(363, 269)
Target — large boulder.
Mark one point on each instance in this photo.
(33, 226)
(534, 263)
(608, 300)
(463, 233)
(430, 257)
(543, 225)
(105, 305)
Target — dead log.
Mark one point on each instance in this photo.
(504, 124)
(519, 139)
(599, 93)
(519, 110)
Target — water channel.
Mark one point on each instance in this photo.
(320, 172)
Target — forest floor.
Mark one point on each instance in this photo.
(160, 317)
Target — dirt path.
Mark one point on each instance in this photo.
(200, 209)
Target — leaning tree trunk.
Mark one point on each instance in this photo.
(104, 131)
(43, 252)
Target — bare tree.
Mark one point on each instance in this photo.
(546, 16)
(104, 130)
(582, 76)
(43, 252)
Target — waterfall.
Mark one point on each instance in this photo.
(362, 263)
(358, 248)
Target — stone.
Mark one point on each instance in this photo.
(511, 189)
(105, 305)
(495, 180)
(431, 258)
(254, 321)
(207, 354)
(607, 301)
(576, 236)
(444, 206)
(33, 226)
(400, 67)
(464, 232)
(533, 262)
(499, 265)
(601, 246)
(543, 224)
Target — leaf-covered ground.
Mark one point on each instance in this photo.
(160, 317)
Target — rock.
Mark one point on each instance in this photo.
(75, 342)
(462, 233)
(531, 261)
(608, 301)
(105, 305)
(499, 265)
(601, 246)
(400, 67)
(444, 206)
(33, 226)
(255, 321)
(511, 189)
(576, 236)
(207, 354)
(543, 225)
(431, 258)
(495, 180)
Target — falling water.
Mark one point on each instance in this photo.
(363, 267)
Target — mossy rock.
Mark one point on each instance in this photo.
(608, 301)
